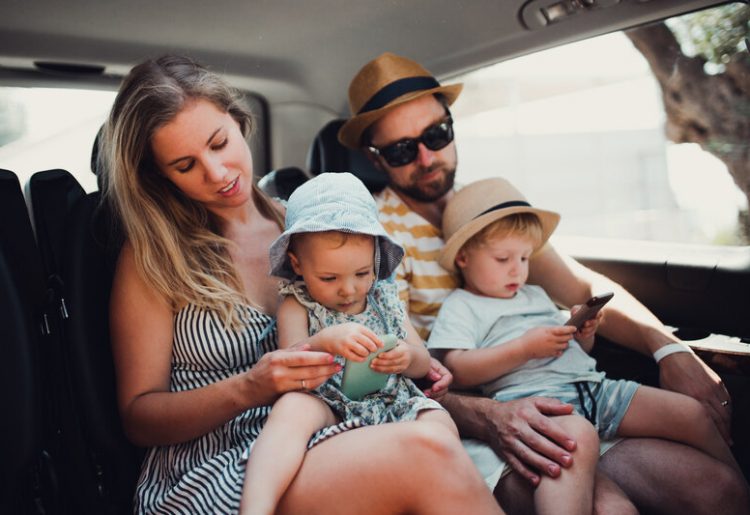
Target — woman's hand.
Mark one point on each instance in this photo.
(351, 340)
(547, 342)
(287, 370)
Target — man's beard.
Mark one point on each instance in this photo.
(432, 191)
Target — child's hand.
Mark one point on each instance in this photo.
(393, 361)
(351, 340)
(587, 331)
(546, 342)
(435, 383)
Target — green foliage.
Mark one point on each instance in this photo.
(715, 34)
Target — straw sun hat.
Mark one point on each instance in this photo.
(479, 204)
(382, 84)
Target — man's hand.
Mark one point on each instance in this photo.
(523, 433)
(686, 373)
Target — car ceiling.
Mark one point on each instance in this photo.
(290, 50)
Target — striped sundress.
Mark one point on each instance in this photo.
(205, 475)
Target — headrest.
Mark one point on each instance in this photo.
(282, 182)
(97, 166)
(328, 155)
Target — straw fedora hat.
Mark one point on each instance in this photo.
(477, 205)
(385, 82)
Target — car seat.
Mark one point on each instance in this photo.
(328, 155)
(282, 182)
(29, 424)
(81, 242)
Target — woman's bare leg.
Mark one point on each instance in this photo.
(279, 450)
(439, 417)
(409, 467)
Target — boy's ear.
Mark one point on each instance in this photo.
(294, 262)
(461, 259)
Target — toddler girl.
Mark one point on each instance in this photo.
(339, 261)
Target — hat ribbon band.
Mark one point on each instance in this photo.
(510, 203)
(397, 88)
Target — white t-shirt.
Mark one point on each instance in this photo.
(469, 321)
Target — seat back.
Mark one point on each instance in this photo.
(328, 155)
(29, 424)
(93, 243)
(81, 244)
(19, 426)
(282, 182)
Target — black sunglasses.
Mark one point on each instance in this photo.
(403, 152)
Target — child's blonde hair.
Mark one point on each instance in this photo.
(517, 224)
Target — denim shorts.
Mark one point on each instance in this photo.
(603, 403)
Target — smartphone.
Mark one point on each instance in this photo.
(359, 379)
(589, 310)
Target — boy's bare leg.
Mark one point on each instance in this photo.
(609, 499)
(573, 491)
(278, 452)
(517, 496)
(674, 416)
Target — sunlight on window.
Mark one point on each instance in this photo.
(580, 129)
(58, 127)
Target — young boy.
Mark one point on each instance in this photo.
(508, 338)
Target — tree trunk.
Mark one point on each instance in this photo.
(711, 110)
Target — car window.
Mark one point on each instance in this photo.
(46, 128)
(581, 130)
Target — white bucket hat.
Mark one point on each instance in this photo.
(334, 202)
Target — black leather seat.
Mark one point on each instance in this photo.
(19, 393)
(81, 244)
(282, 182)
(328, 155)
(29, 425)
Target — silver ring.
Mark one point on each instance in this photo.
(725, 403)
(302, 381)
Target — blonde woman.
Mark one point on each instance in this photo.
(193, 322)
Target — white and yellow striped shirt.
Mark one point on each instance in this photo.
(422, 283)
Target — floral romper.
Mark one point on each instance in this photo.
(400, 399)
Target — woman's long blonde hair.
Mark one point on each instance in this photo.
(177, 242)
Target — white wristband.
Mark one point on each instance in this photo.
(672, 348)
